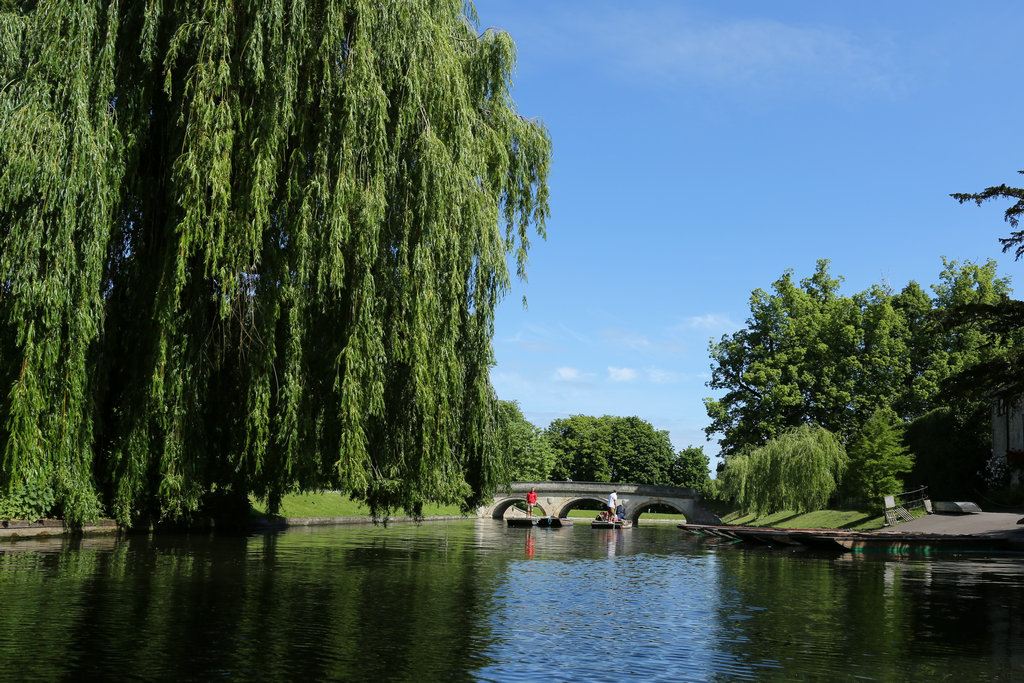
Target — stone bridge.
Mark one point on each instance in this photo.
(556, 498)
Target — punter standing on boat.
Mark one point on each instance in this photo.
(531, 500)
(613, 498)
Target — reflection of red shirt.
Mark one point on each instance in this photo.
(531, 497)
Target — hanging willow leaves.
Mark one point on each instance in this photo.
(798, 470)
(249, 246)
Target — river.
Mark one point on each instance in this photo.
(473, 600)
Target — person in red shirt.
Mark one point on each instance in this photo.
(531, 500)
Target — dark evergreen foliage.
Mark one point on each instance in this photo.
(952, 447)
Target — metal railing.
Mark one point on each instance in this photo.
(899, 505)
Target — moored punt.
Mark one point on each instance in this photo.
(604, 524)
(766, 536)
(526, 522)
(554, 522)
(755, 534)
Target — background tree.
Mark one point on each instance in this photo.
(640, 453)
(530, 457)
(691, 467)
(878, 457)
(583, 448)
(610, 448)
(798, 470)
(247, 248)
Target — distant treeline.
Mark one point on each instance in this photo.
(607, 448)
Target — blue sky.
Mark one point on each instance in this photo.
(702, 149)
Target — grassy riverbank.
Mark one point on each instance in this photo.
(332, 504)
(823, 519)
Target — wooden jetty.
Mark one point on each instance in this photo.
(846, 540)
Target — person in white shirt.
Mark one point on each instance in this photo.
(613, 498)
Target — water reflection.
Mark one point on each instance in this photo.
(475, 600)
(878, 618)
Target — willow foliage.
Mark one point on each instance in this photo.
(798, 470)
(248, 246)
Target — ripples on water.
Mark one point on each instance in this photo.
(475, 600)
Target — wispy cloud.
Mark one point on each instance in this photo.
(541, 339)
(675, 45)
(638, 342)
(626, 338)
(662, 376)
(711, 321)
(621, 374)
(567, 374)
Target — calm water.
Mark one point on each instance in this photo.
(473, 600)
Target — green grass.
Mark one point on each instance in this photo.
(331, 504)
(820, 519)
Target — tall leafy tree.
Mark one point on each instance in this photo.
(798, 361)
(251, 246)
(811, 355)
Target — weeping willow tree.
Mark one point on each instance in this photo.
(798, 470)
(253, 246)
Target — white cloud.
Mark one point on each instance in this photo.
(565, 374)
(621, 374)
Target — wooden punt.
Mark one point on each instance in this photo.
(522, 522)
(602, 524)
(554, 522)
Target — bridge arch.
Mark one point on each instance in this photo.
(557, 498)
(575, 504)
(502, 506)
(641, 509)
